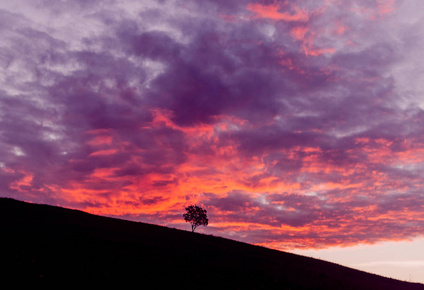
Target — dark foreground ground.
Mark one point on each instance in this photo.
(46, 243)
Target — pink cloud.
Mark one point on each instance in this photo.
(273, 11)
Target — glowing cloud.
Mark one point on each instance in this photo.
(273, 11)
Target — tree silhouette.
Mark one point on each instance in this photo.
(196, 216)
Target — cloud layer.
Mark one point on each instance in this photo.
(295, 123)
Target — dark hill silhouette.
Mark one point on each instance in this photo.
(58, 244)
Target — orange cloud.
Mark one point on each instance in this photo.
(316, 52)
(308, 41)
(273, 12)
(341, 28)
(100, 140)
(104, 152)
(307, 38)
(298, 32)
(382, 8)
(386, 6)
(24, 183)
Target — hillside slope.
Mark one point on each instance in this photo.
(52, 243)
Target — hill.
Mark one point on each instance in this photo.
(41, 242)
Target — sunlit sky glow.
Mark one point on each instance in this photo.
(296, 124)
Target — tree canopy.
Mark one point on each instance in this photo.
(196, 215)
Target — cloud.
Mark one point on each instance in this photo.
(296, 124)
(272, 11)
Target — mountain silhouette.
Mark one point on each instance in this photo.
(42, 242)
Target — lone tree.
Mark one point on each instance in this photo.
(196, 216)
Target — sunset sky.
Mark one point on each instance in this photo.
(298, 125)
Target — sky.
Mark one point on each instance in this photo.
(298, 125)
